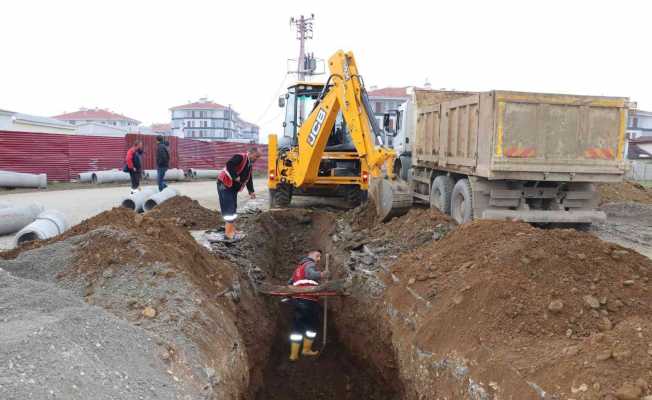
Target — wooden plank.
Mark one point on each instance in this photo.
(335, 287)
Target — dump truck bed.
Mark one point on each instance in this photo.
(523, 136)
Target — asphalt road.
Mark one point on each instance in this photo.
(80, 204)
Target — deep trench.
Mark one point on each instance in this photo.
(281, 239)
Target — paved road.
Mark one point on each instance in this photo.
(80, 204)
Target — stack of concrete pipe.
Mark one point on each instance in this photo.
(19, 180)
(48, 224)
(173, 174)
(136, 200)
(203, 173)
(159, 198)
(14, 218)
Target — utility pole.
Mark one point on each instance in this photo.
(304, 32)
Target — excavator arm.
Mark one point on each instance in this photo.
(344, 91)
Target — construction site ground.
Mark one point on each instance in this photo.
(136, 307)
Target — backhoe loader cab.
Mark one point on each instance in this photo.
(340, 172)
(330, 146)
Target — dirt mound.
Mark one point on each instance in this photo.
(153, 274)
(534, 304)
(187, 213)
(118, 217)
(418, 226)
(625, 191)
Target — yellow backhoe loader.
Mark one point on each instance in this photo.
(331, 145)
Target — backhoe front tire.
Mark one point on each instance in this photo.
(281, 197)
(441, 191)
(462, 202)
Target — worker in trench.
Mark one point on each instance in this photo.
(235, 176)
(306, 307)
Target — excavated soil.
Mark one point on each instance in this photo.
(626, 191)
(523, 310)
(436, 311)
(188, 213)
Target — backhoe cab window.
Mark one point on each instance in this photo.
(299, 105)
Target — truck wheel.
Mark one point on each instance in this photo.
(462, 202)
(281, 197)
(440, 193)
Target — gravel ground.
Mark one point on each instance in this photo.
(55, 346)
(629, 225)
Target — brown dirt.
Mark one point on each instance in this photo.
(188, 213)
(623, 192)
(490, 285)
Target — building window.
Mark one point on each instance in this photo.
(202, 114)
(635, 122)
(379, 107)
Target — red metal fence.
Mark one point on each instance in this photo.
(63, 157)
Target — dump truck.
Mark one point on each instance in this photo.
(511, 155)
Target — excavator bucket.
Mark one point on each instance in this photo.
(392, 198)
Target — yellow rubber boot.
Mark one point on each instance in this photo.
(307, 348)
(294, 351)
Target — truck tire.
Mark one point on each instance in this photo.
(462, 202)
(281, 197)
(440, 193)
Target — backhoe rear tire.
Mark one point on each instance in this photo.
(462, 202)
(281, 197)
(354, 196)
(441, 191)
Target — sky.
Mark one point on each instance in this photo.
(139, 57)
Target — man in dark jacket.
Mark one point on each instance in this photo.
(306, 307)
(162, 161)
(231, 180)
(133, 165)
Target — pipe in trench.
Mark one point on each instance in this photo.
(160, 197)
(13, 219)
(173, 174)
(136, 201)
(48, 224)
(20, 180)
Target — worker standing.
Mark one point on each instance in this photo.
(133, 165)
(231, 180)
(306, 307)
(162, 161)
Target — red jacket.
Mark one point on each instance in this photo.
(232, 170)
(129, 159)
(306, 274)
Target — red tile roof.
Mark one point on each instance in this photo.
(200, 105)
(389, 92)
(96, 114)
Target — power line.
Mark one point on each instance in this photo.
(276, 94)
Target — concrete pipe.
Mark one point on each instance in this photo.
(86, 177)
(111, 176)
(13, 219)
(204, 173)
(137, 200)
(159, 198)
(174, 174)
(19, 180)
(48, 224)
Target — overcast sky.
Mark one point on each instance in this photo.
(140, 58)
